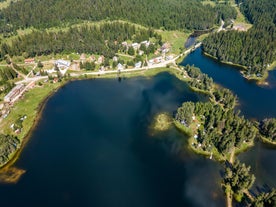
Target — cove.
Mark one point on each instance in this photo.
(255, 102)
(93, 147)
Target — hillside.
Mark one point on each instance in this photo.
(170, 15)
(256, 48)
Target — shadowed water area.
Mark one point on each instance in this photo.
(93, 147)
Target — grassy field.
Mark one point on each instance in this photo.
(240, 20)
(208, 2)
(28, 105)
(6, 3)
(177, 39)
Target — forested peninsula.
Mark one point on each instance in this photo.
(254, 49)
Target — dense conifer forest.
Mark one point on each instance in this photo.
(170, 15)
(220, 130)
(103, 39)
(268, 129)
(255, 49)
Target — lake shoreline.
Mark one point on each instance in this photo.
(175, 71)
(24, 140)
(216, 156)
(25, 137)
(267, 141)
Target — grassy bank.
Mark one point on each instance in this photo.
(30, 105)
(176, 39)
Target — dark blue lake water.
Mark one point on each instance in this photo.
(93, 147)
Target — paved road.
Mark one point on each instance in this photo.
(158, 65)
(27, 80)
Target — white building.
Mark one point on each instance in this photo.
(138, 65)
(120, 66)
(135, 45)
(62, 63)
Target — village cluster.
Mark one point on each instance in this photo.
(61, 66)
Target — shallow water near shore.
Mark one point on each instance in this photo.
(93, 147)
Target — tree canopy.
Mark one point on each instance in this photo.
(171, 15)
(256, 48)
(105, 38)
(8, 145)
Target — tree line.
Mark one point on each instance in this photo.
(170, 15)
(254, 49)
(6, 75)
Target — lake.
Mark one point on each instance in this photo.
(93, 147)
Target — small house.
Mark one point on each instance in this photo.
(100, 59)
(239, 28)
(135, 45)
(29, 61)
(138, 65)
(120, 66)
(115, 59)
(82, 58)
(92, 58)
(141, 52)
(75, 66)
(146, 43)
